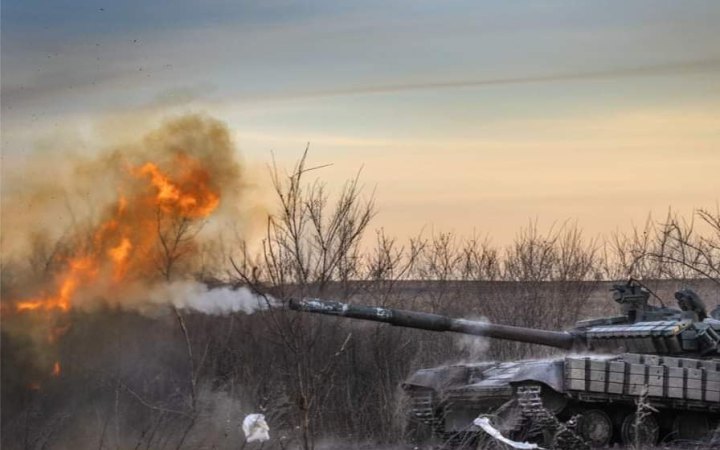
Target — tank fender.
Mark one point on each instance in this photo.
(438, 378)
(550, 373)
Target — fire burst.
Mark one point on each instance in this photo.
(121, 244)
(80, 269)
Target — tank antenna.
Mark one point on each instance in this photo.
(647, 289)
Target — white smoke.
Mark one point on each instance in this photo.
(474, 348)
(188, 294)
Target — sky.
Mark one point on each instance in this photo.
(464, 116)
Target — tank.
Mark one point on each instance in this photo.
(649, 375)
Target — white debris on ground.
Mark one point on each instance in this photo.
(484, 423)
(255, 428)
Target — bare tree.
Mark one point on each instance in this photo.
(668, 253)
(311, 246)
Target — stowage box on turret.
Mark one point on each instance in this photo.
(665, 360)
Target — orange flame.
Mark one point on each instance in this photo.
(56, 369)
(123, 244)
(191, 198)
(119, 255)
(80, 269)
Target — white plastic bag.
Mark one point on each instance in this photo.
(484, 423)
(255, 428)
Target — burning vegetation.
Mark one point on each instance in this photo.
(122, 248)
(167, 187)
(163, 200)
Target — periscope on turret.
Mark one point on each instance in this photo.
(668, 356)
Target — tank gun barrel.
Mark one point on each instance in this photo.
(436, 322)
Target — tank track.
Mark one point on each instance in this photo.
(423, 407)
(538, 421)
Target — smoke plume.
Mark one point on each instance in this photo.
(150, 202)
(195, 296)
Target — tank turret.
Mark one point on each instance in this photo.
(658, 330)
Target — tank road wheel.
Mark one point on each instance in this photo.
(645, 432)
(690, 426)
(595, 427)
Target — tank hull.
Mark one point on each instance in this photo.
(599, 388)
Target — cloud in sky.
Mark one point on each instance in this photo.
(708, 65)
(118, 52)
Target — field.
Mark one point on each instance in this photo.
(178, 354)
(127, 378)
